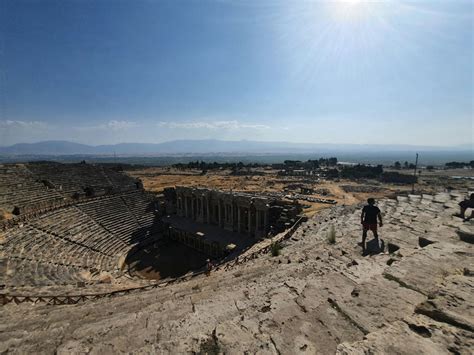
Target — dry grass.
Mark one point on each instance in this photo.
(4, 215)
(275, 248)
(331, 236)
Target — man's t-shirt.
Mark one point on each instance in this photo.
(371, 213)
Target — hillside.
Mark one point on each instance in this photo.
(316, 297)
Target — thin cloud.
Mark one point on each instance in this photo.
(119, 125)
(21, 124)
(214, 125)
(113, 125)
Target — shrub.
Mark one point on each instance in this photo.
(275, 248)
(395, 177)
(210, 346)
(361, 171)
(332, 174)
(331, 236)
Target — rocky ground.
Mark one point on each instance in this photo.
(315, 298)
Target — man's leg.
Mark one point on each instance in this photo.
(364, 237)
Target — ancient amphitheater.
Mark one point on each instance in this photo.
(70, 226)
(68, 231)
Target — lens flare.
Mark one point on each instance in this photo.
(351, 9)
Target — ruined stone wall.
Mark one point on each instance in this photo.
(244, 213)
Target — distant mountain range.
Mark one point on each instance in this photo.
(211, 147)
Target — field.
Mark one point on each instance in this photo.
(344, 192)
(156, 179)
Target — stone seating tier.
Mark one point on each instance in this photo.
(36, 185)
(72, 178)
(142, 207)
(61, 246)
(114, 215)
(18, 187)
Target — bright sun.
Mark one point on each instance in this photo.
(350, 10)
(350, 3)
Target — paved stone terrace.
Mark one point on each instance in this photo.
(315, 298)
(210, 232)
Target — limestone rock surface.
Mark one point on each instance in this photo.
(314, 298)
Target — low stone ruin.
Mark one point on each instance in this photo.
(250, 214)
(300, 197)
(218, 223)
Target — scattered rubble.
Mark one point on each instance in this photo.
(362, 188)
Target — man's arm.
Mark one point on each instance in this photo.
(379, 215)
(362, 216)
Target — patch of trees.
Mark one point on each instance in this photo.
(397, 165)
(361, 171)
(332, 174)
(202, 165)
(310, 164)
(459, 165)
(326, 161)
(298, 164)
(397, 178)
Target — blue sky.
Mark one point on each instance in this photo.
(100, 72)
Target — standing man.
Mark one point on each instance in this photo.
(368, 219)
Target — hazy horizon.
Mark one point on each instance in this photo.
(461, 146)
(341, 72)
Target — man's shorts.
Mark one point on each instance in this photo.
(370, 227)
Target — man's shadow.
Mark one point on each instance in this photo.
(374, 246)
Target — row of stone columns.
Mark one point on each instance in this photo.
(250, 219)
